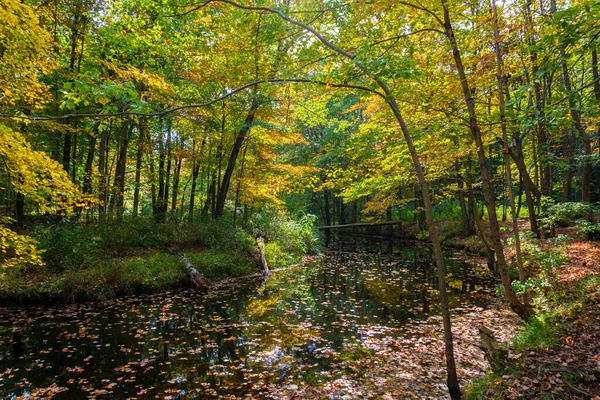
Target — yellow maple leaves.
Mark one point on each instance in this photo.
(23, 49)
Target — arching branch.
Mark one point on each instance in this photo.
(172, 110)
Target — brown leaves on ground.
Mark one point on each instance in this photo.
(570, 369)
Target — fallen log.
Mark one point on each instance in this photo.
(196, 277)
(493, 352)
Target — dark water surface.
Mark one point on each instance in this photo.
(242, 339)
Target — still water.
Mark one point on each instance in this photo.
(244, 339)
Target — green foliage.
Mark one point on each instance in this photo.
(287, 239)
(543, 260)
(77, 245)
(560, 214)
(217, 264)
(296, 236)
(591, 229)
(538, 333)
(17, 251)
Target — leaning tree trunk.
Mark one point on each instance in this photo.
(524, 310)
(508, 174)
(196, 277)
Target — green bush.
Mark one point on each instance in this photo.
(68, 246)
(295, 236)
(560, 214)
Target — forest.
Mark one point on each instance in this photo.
(335, 199)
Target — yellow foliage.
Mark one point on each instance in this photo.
(18, 250)
(35, 175)
(24, 46)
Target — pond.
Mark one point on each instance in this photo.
(306, 326)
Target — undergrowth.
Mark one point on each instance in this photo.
(83, 262)
(555, 305)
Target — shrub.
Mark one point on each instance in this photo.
(294, 236)
(560, 214)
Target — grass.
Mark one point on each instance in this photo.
(151, 272)
(91, 262)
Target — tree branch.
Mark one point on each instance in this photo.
(172, 110)
(321, 38)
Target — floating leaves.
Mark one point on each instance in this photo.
(350, 324)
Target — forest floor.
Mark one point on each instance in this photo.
(557, 355)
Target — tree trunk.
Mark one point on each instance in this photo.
(530, 187)
(89, 162)
(508, 174)
(568, 145)
(239, 184)
(195, 172)
(210, 195)
(467, 223)
(165, 200)
(235, 151)
(103, 185)
(522, 309)
(176, 176)
(138, 165)
(576, 117)
(121, 170)
(539, 115)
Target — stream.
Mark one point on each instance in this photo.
(305, 326)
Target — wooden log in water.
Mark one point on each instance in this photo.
(196, 277)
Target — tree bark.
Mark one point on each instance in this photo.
(235, 151)
(524, 310)
(138, 165)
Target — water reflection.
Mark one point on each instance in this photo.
(242, 338)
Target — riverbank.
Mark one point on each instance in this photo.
(556, 354)
(98, 262)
